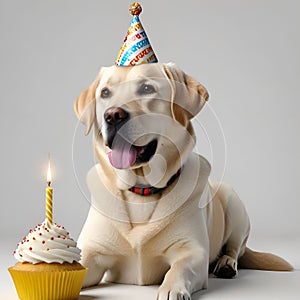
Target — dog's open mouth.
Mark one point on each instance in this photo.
(124, 155)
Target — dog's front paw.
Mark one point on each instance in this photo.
(89, 283)
(173, 293)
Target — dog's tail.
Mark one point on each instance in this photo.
(263, 261)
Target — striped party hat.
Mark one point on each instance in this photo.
(136, 48)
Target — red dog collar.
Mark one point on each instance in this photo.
(150, 190)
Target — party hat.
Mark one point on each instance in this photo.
(136, 48)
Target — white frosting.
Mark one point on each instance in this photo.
(48, 243)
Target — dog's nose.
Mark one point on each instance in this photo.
(115, 115)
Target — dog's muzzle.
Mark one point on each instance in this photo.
(123, 153)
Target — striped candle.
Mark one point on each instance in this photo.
(49, 192)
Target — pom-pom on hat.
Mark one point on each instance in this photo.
(136, 48)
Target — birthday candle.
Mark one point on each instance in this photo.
(49, 192)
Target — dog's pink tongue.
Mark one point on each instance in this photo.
(123, 155)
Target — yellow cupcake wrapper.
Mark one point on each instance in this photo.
(55, 285)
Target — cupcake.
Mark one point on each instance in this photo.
(48, 267)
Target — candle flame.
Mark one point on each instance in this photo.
(49, 175)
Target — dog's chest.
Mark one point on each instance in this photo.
(142, 261)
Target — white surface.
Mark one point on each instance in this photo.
(249, 284)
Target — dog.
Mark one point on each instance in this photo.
(155, 217)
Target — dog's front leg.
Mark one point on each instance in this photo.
(96, 263)
(188, 273)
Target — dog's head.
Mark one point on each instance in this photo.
(142, 116)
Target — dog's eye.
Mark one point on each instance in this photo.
(105, 93)
(146, 89)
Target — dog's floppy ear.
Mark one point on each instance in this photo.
(188, 95)
(85, 105)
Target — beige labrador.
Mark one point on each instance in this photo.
(155, 217)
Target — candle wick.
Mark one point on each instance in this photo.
(49, 183)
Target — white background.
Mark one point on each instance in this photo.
(245, 52)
